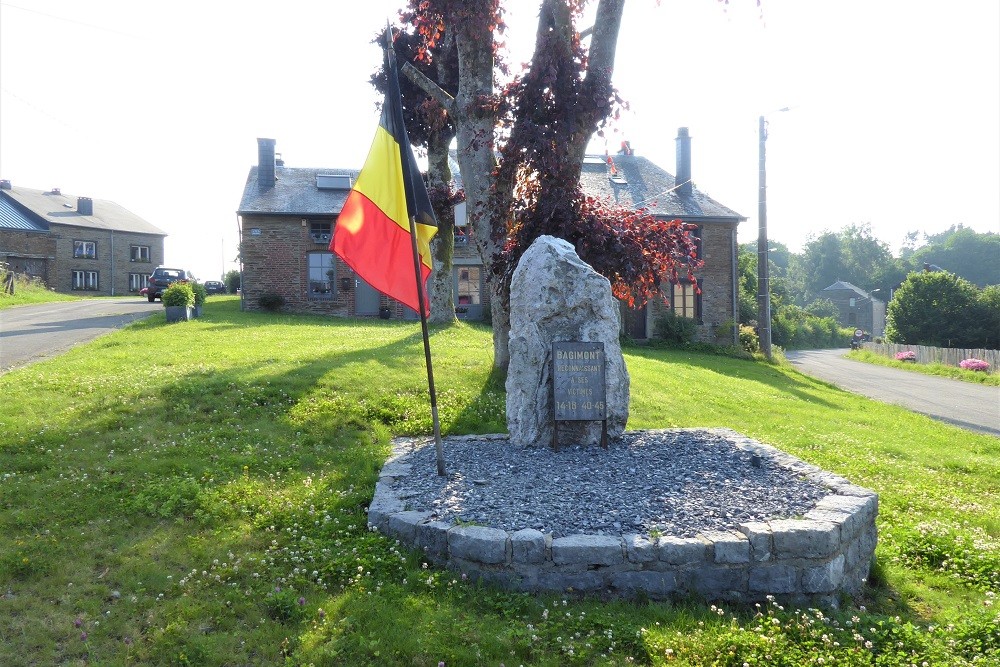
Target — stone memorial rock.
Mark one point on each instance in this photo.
(556, 296)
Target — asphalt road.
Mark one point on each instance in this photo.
(30, 333)
(972, 406)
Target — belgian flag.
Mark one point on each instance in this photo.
(373, 232)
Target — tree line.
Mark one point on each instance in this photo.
(942, 289)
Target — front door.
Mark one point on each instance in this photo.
(366, 298)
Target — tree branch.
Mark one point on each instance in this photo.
(420, 80)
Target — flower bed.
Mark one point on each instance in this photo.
(906, 355)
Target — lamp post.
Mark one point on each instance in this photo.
(763, 287)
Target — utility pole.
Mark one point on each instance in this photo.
(763, 288)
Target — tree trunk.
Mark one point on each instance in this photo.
(475, 121)
(443, 246)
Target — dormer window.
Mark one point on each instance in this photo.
(333, 181)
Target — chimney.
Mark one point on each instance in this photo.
(5, 184)
(85, 206)
(265, 163)
(683, 177)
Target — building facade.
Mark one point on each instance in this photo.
(287, 216)
(856, 308)
(76, 244)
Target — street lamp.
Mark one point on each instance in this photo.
(763, 288)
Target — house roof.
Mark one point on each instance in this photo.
(844, 285)
(650, 187)
(12, 217)
(295, 192)
(57, 208)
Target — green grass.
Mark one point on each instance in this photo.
(27, 292)
(206, 506)
(941, 370)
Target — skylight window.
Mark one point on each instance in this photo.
(333, 181)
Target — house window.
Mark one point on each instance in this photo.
(322, 276)
(139, 253)
(85, 280)
(468, 286)
(85, 249)
(686, 300)
(319, 230)
(136, 281)
(854, 302)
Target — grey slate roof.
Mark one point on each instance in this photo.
(60, 209)
(11, 217)
(651, 187)
(844, 285)
(294, 193)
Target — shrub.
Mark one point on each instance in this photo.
(906, 355)
(749, 340)
(272, 302)
(232, 281)
(673, 329)
(199, 293)
(179, 293)
(974, 365)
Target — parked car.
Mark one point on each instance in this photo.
(215, 287)
(161, 278)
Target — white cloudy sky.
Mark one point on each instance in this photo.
(894, 120)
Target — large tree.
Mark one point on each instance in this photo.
(521, 149)
(934, 308)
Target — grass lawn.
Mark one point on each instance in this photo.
(195, 494)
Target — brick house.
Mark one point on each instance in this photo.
(857, 308)
(287, 217)
(637, 182)
(76, 244)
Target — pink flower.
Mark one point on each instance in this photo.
(974, 365)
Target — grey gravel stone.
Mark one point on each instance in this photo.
(673, 482)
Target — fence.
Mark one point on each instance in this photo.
(949, 356)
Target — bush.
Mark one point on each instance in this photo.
(974, 365)
(232, 281)
(178, 293)
(674, 330)
(749, 340)
(199, 293)
(272, 302)
(906, 355)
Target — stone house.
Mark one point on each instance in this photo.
(76, 244)
(857, 308)
(287, 217)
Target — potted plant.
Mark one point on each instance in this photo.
(178, 301)
(200, 294)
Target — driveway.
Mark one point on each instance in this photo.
(30, 333)
(972, 406)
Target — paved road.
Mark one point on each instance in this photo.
(30, 333)
(972, 406)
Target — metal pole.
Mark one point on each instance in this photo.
(763, 288)
(438, 448)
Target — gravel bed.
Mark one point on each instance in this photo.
(678, 483)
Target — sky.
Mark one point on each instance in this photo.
(893, 113)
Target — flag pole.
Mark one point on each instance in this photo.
(438, 448)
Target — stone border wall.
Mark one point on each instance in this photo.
(810, 559)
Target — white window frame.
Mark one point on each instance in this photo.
(84, 249)
(139, 253)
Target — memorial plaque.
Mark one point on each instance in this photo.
(579, 386)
